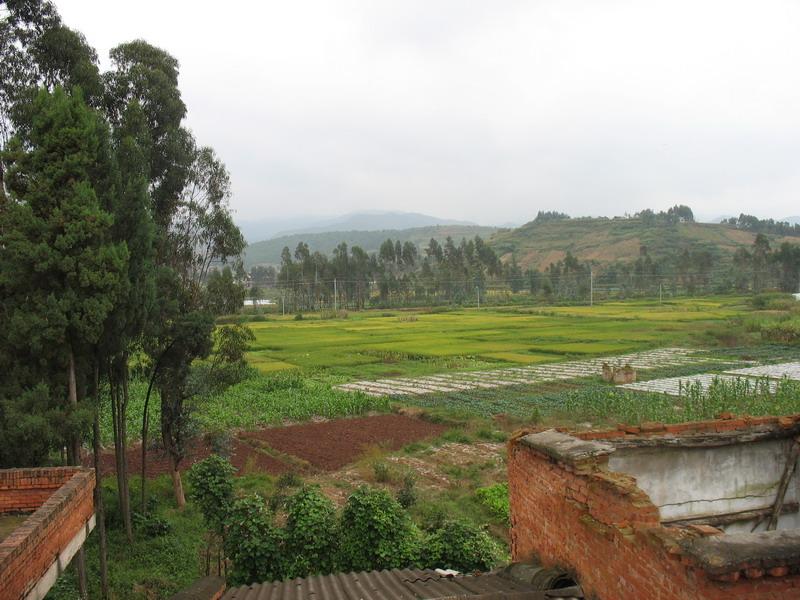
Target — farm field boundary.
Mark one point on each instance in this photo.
(454, 382)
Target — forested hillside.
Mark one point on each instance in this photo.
(268, 252)
(554, 257)
(549, 238)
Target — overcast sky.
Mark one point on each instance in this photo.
(487, 111)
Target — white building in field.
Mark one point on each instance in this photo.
(259, 302)
(796, 296)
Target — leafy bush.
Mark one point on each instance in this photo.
(253, 543)
(151, 525)
(376, 533)
(381, 471)
(785, 332)
(772, 301)
(407, 495)
(290, 479)
(495, 498)
(311, 541)
(211, 482)
(221, 441)
(461, 546)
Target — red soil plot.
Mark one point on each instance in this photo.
(334, 444)
(244, 457)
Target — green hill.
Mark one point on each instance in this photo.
(268, 252)
(541, 242)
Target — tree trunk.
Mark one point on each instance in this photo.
(98, 491)
(124, 482)
(74, 452)
(146, 421)
(145, 430)
(177, 484)
(74, 449)
(120, 458)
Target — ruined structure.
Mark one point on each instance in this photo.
(59, 508)
(705, 510)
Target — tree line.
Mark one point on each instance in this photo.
(112, 218)
(397, 272)
(400, 275)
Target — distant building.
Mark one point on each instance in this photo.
(796, 296)
(259, 302)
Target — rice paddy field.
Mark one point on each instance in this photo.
(377, 344)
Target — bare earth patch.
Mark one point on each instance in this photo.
(332, 445)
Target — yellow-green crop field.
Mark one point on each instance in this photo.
(392, 343)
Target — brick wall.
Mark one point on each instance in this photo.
(25, 490)
(65, 505)
(605, 531)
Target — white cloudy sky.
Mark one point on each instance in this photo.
(487, 111)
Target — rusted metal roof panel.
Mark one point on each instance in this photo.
(397, 584)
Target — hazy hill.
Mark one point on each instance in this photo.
(269, 251)
(540, 243)
(255, 231)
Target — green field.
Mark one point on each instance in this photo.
(385, 344)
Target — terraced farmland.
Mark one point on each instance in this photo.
(390, 344)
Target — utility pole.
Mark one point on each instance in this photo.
(283, 304)
(478, 290)
(591, 286)
(335, 297)
(660, 291)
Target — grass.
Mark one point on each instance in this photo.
(260, 401)
(374, 344)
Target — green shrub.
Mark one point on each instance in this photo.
(407, 495)
(381, 471)
(211, 488)
(376, 533)
(311, 540)
(785, 332)
(495, 498)
(253, 543)
(290, 479)
(461, 546)
(151, 525)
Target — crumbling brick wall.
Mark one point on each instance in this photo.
(600, 527)
(62, 498)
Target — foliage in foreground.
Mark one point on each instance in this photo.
(373, 531)
(495, 498)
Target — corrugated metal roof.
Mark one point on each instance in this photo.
(397, 584)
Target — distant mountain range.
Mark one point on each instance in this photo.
(268, 252)
(266, 229)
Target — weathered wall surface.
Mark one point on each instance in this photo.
(602, 528)
(686, 482)
(64, 513)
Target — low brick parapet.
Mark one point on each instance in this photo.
(63, 505)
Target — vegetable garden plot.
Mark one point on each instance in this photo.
(677, 386)
(790, 370)
(542, 373)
